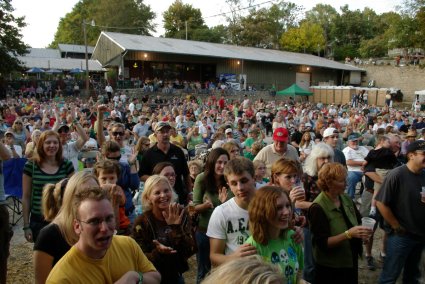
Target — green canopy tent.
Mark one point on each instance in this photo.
(294, 90)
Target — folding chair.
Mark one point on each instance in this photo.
(12, 172)
(15, 205)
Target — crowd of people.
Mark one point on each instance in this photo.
(123, 189)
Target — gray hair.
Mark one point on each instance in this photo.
(319, 150)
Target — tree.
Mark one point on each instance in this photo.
(264, 27)
(307, 38)
(11, 44)
(323, 15)
(128, 16)
(178, 17)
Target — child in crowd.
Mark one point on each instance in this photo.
(107, 173)
(260, 173)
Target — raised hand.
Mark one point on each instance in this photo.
(222, 194)
(174, 214)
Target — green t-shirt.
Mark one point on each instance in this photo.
(285, 253)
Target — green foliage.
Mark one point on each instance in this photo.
(308, 38)
(180, 15)
(127, 16)
(376, 47)
(11, 44)
(264, 27)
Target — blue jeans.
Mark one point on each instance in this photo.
(402, 252)
(308, 272)
(352, 179)
(203, 255)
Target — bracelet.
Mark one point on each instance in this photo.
(140, 277)
(348, 235)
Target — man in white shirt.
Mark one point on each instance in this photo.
(71, 149)
(141, 128)
(279, 149)
(355, 157)
(109, 91)
(15, 151)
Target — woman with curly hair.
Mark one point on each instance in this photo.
(270, 222)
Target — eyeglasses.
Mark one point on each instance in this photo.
(147, 144)
(95, 222)
(235, 151)
(116, 133)
(114, 158)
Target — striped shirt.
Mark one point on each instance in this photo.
(40, 179)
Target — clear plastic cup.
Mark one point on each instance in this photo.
(368, 222)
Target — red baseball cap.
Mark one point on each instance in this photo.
(280, 134)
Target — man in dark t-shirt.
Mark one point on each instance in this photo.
(164, 151)
(402, 205)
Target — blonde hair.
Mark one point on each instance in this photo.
(64, 218)
(245, 270)
(150, 183)
(52, 198)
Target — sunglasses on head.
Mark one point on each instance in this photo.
(117, 133)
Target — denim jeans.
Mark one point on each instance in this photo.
(203, 255)
(352, 179)
(308, 272)
(402, 252)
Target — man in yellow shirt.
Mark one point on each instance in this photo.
(99, 256)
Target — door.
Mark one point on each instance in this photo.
(303, 80)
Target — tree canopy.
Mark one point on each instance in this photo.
(11, 44)
(127, 16)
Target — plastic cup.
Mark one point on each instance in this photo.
(368, 222)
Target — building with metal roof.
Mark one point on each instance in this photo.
(65, 58)
(142, 57)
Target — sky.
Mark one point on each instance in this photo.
(42, 16)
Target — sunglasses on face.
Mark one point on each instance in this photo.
(114, 158)
(63, 131)
(117, 133)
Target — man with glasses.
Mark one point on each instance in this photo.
(355, 157)
(99, 256)
(164, 151)
(401, 202)
(331, 137)
(116, 132)
(279, 149)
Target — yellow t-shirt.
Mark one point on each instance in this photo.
(178, 140)
(123, 255)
